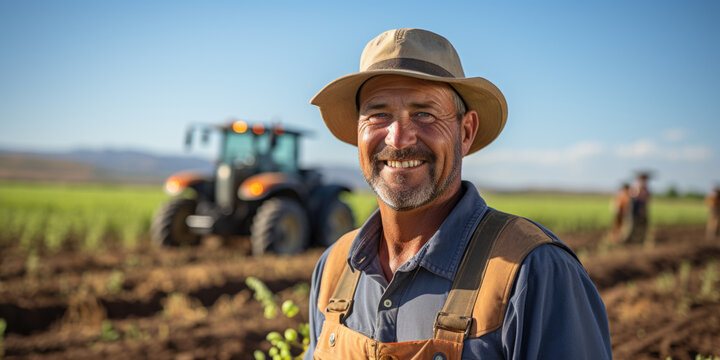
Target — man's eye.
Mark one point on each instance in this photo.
(379, 117)
(423, 116)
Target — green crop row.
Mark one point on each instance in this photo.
(572, 212)
(564, 212)
(50, 217)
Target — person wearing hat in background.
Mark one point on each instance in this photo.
(639, 203)
(712, 200)
(435, 273)
(621, 213)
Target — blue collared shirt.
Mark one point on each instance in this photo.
(555, 312)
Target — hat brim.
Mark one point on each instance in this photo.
(338, 109)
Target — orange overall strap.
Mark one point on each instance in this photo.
(339, 280)
(454, 321)
(341, 301)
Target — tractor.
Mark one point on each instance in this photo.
(258, 190)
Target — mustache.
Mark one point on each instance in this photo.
(419, 152)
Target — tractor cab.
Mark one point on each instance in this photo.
(256, 177)
(246, 151)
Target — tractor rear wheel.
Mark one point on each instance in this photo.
(335, 220)
(279, 226)
(169, 228)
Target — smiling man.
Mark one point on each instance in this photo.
(435, 273)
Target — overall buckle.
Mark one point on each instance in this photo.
(454, 323)
(341, 306)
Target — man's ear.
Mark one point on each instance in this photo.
(469, 125)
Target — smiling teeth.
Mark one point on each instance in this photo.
(404, 164)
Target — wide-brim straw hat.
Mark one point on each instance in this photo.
(419, 54)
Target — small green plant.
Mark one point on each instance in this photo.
(114, 282)
(132, 261)
(684, 275)
(301, 289)
(3, 325)
(264, 296)
(709, 279)
(31, 231)
(107, 332)
(684, 304)
(130, 232)
(134, 333)
(665, 282)
(700, 357)
(57, 229)
(291, 339)
(94, 235)
(32, 262)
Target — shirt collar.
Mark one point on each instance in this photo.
(443, 251)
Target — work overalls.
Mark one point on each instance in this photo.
(475, 305)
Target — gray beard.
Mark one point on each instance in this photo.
(408, 198)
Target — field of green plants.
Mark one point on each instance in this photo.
(78, 279)
(50, 217)
(572, 212)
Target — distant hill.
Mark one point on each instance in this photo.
(127, 166)
(119, 166)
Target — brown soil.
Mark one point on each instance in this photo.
(194, 304)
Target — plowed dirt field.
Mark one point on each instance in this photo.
(662, 299)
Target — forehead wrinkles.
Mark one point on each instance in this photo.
(384, 91)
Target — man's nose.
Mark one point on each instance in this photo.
(401, 133)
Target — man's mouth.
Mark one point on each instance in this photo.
(403, 164)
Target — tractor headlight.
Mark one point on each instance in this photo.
(223, 171)
(172, 186)
(256, 189)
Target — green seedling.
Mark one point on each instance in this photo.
(665, 282)
(3, 326)
(114, 283)
(710, 278)
(291, 339)
(107, 332)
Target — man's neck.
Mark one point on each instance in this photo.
(405, 232)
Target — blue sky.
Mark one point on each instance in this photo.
(595, 89)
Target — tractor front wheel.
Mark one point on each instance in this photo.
(169, 228)
(280, 226)
(335, 220)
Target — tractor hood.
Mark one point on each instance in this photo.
(179, 181)
(262, 185)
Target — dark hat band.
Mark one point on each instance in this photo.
(411, 64)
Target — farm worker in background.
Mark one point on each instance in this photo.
(621, 211)
(435, 273)
(713, 203)
(639, 199)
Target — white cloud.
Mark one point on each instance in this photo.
(574, 153)
(674, 135)
(637, 150)
(593, 165)
(648, 149)
(692, 153)
(641, 150)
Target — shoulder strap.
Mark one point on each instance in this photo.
(454, 321)
(481, 291)
(334, 271)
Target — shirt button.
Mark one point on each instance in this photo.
(387, 303)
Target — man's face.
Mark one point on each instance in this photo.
(409, 139)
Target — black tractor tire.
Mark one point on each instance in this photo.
(280, 226)
(169, 228)
(335, 219)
